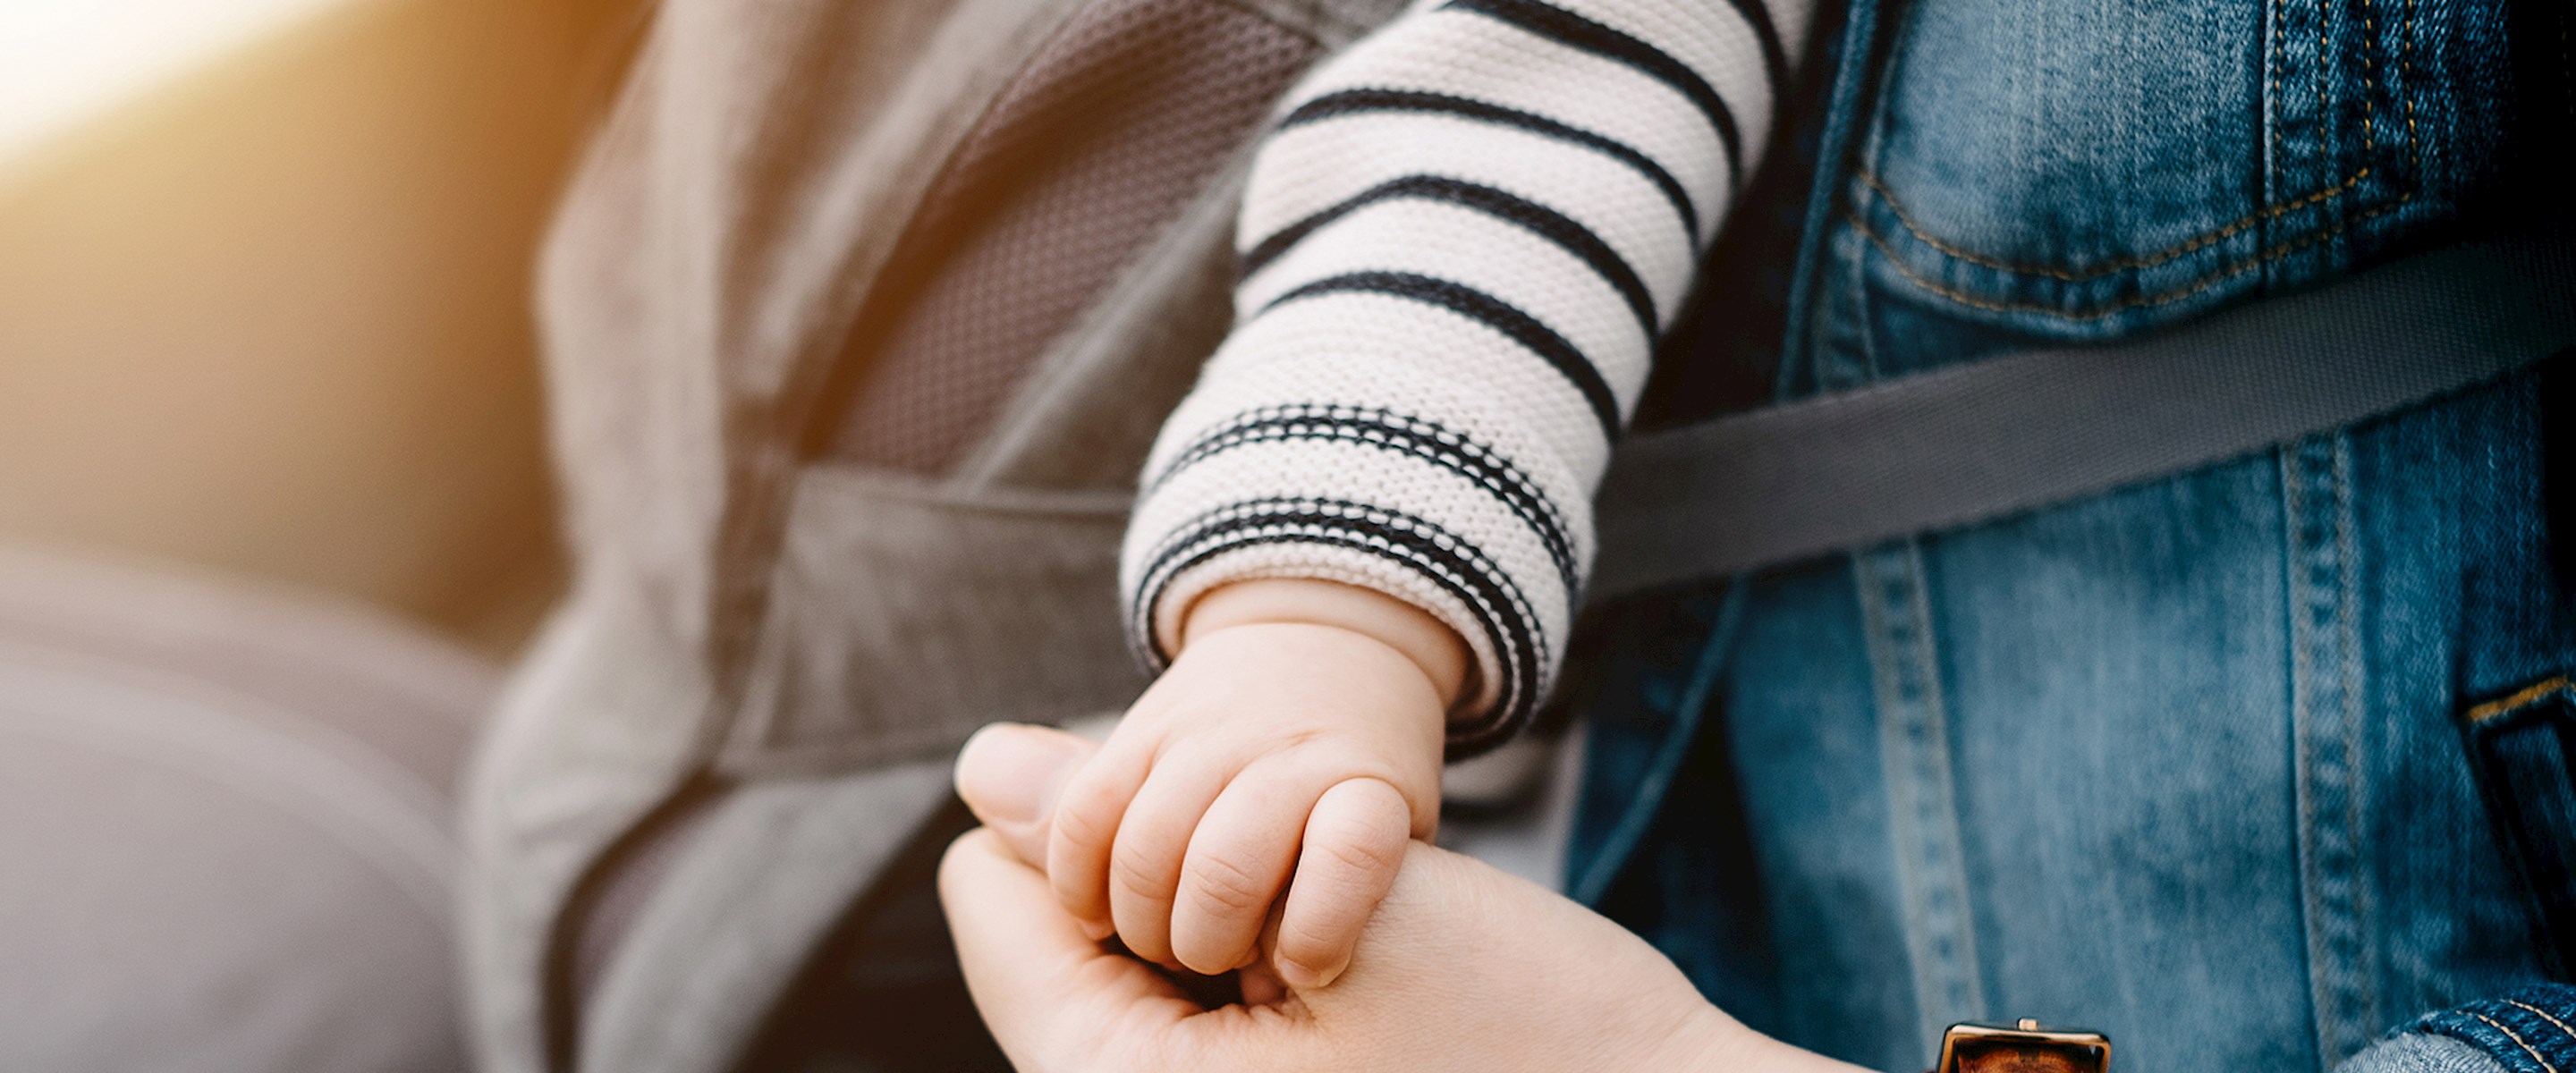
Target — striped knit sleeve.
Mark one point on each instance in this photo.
(1458, 247)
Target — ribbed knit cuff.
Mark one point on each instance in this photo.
(1401, 556)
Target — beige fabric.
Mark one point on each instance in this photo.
(807, 636)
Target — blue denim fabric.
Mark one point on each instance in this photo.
(2192, 763)
(2527, 1031)
(2420, 1052)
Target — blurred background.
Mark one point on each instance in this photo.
(264, 289)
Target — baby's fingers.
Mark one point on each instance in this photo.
(1145, 866)
(1355, 841)
(1239, 860)
(1087, 816)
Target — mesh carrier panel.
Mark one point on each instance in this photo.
(1117, 122)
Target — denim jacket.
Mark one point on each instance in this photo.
(2264, 766)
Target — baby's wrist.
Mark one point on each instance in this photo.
(1412, 632)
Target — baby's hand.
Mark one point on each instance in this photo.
(1278, 741)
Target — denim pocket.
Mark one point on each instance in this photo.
(2524, 750)
(2089, 169)
(2031, 164)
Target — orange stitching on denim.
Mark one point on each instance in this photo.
(2371, 76)
(2406, 71)
(2544, 1015)
(2517, 1041)
(2325, 112)
(2369, 80)
(2121, 264)
(2524, 696)
(2272, 51)
(2271, 59)
(2203, 283)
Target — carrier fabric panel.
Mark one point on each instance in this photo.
(1111, 130)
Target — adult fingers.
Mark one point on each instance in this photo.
(1085, 828)
(1046, 989)
(1145, 865)
(1010, 775)
(1354, 846)
(1240, 858)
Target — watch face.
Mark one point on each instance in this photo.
(1990, 1055)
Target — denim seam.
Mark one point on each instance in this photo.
(2325, 108)
(2517, 1039)
(2115, 265)
(2327, 709)
(1872, 141)
(2543, 1015)
(2356, 699)
(1923, 804)
(2369, 80)
(2406, 79)
(2270, 101)
(2521, 699)
(2294, 516)
(1865, 334)
(1843, 101)
(2097, 312)
(1836, 360)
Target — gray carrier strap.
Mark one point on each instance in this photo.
(1989, 438)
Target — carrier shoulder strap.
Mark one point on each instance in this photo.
(1990, 438)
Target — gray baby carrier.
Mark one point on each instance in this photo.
(860, 319)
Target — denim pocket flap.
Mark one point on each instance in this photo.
(2524, 749)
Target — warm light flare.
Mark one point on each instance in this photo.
(66, 61)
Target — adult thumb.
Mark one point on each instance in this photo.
(1009, 774)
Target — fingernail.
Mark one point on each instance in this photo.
(1009, 772)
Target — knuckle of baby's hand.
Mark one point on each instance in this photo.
(1134, 872)
(1360, 847)
(1078, 824)
(1366, 838)
(1328, 754)
(1096, 834)
(1307, 949)
(1218, 885)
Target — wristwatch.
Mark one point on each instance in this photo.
(2022, 1048)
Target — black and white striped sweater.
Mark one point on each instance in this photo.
(1458, 247)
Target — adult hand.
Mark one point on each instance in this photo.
(1462, 968)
